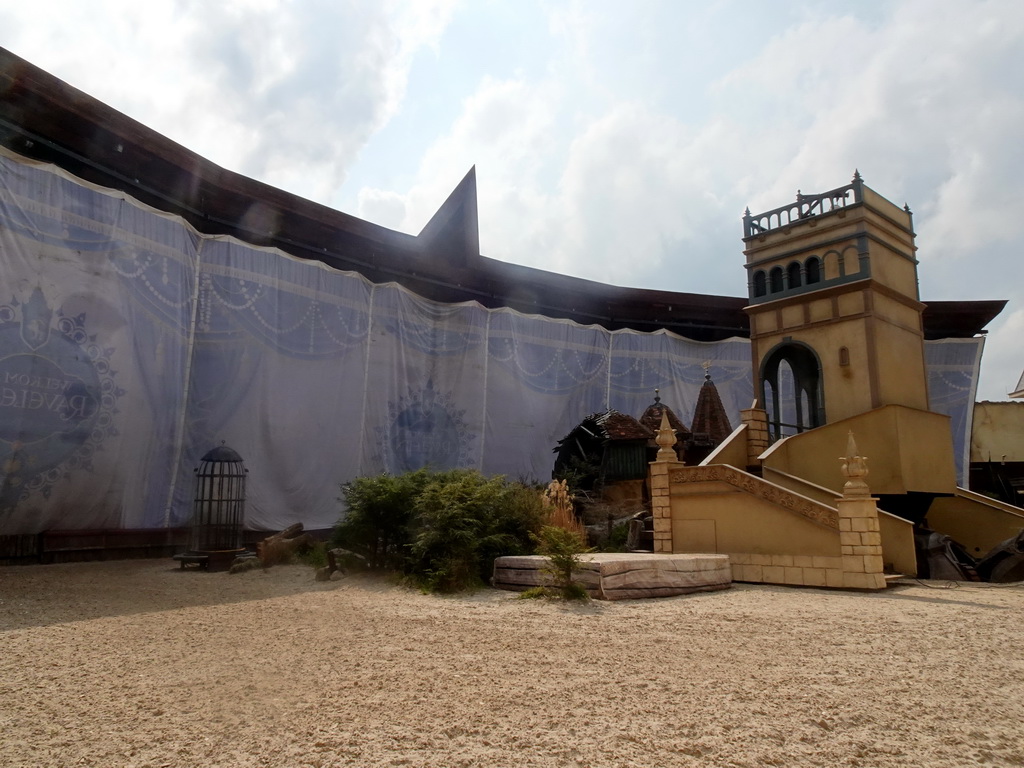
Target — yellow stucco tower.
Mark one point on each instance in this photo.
(835, 313)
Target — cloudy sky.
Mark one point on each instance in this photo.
(614, 141)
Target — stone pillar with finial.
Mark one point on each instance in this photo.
(758, 438)
(661, 500)
(859, 534)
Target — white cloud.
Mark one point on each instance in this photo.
(1004, 360)
(285, 93)
(629, 151)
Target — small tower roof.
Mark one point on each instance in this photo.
(651, 418)
(710, 421)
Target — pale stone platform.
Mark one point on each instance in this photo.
(623, 575)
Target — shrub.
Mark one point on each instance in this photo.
(463, 521)
(563, 548)
(441, 529)
(380, 511)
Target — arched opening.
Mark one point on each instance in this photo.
(812, 270)
(791, 390)
(793, 275)
(775, 280)
(760, 283)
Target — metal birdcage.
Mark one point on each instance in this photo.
(218, 512)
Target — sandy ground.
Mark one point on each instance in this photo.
(139, 664)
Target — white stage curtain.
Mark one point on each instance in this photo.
(130, 345)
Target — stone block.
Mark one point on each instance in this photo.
(871, 538)
(847, 549)
(855, 508)
(820, 561)
(864, 581)
(783, 560)
(774, 574)
(803, 561)
(856, 580)
(739, 559)
(863, 550)
(814, 577)
(853, 564)
(845, 524)
(760, 559)
(849, 539)
(873, 564)
(659, 468)
(794, 575)
(834, 577)
(753, 573)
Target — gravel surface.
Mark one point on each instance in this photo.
(137, 663)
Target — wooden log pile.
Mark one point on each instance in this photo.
(622, 576)
(281, 547)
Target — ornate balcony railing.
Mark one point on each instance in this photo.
(805, 207)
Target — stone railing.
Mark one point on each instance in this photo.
(805, 207)
(724, 473)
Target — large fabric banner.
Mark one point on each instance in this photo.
(130, 345)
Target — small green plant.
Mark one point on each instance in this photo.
(314, 556)
(616, 541)
(534, 593)
(440, 530)
(563, 548)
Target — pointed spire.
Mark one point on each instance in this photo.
(710, 421)
(856, 176)
(855, 469)
(666, 439)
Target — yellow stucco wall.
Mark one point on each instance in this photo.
(974, 521)
(907, 450)
(717, 517)
(998, 431)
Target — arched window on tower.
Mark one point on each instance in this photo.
(813, 270)
(791, 390)
(775, 280)
(760, 283)
(793, 275)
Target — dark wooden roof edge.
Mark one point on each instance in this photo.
(43, 118)
(960, 319)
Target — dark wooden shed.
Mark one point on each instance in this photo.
(605, 447)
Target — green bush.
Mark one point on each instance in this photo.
(380, 512)
(463, 521)
(616, 541)
(442, 529)
(563, 548)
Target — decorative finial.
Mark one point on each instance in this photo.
(906, 208)
(855, 469)
(706, 365)
(666, 439)
(657, 396)
(856, 175)
(747, 212)
(799, 194)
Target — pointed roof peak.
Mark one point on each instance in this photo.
(453, 232)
